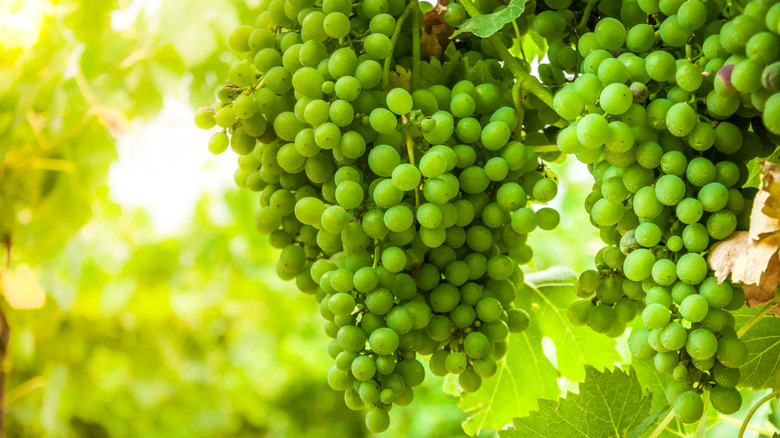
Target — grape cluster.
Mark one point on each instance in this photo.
(744, 54)
(667, 142)
(405, 214)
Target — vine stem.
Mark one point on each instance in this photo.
(753, 411)
(544, 148)
(518, 98)
(410, 151)
(519, 38)
(528, 83)
(665, 422)
(586, 14)
(738, 423)
(766, 309)
(377, 253)
(416, 45)
(5, 337)
(393, 39)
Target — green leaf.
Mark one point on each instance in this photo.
(548, 296)
(401, 78)
(485, 25)
(754, 168)
(437, 72)
(526, 373)
(609, 404)
(763, 343)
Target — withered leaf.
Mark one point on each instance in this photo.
(743, 258)
(760, 223)
(771, 186)
(766, 289)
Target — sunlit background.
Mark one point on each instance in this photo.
(153, 309)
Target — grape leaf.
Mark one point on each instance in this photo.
(526, 374)
(763, 343)
(652, 381)
(609, 404)
(485, 25)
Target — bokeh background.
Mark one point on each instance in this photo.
(143, 302)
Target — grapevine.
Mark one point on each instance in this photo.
(400, 173)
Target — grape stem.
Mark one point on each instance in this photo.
(416, 45)
(410, 151)
(738, 423)
(766, 309)
(259, 85)
(528, 83)
(753, 411)
(393, 39)
(585, 15)
(662, 426)
(544, 148)
(519, 98)
(519, 40)
(377, 253)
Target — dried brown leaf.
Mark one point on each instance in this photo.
(760, 223)
(435, 32)
(754, 264)
(771, 186)
(766, 288)
(725, 255)
(743, 258)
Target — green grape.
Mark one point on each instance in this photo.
(700, 172)
(763, 47)
(639, 264)
(378, 46)
(568, 103)
(660, 66)
(615, 99)
(593, 130)
(692, 14)
(549, 24)
(646, 203)
(681, 119)
(731, 352)
(640, 38)
(602, 318)
(701, 344)
(655, 316)
(399, 101)
(377, 420)
(725, 400)
(688, 407)
(406, 177)
(638, 345)
(721, 224)
(495, 135)
(673, 32)
(610, 33)
(670, 190)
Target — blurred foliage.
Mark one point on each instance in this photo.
(72, 76)
(185, 336)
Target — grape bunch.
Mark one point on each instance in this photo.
(667, 140)
(404, 214)
(744, 57)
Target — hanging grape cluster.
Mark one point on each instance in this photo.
(665, 101)
(404, 211)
